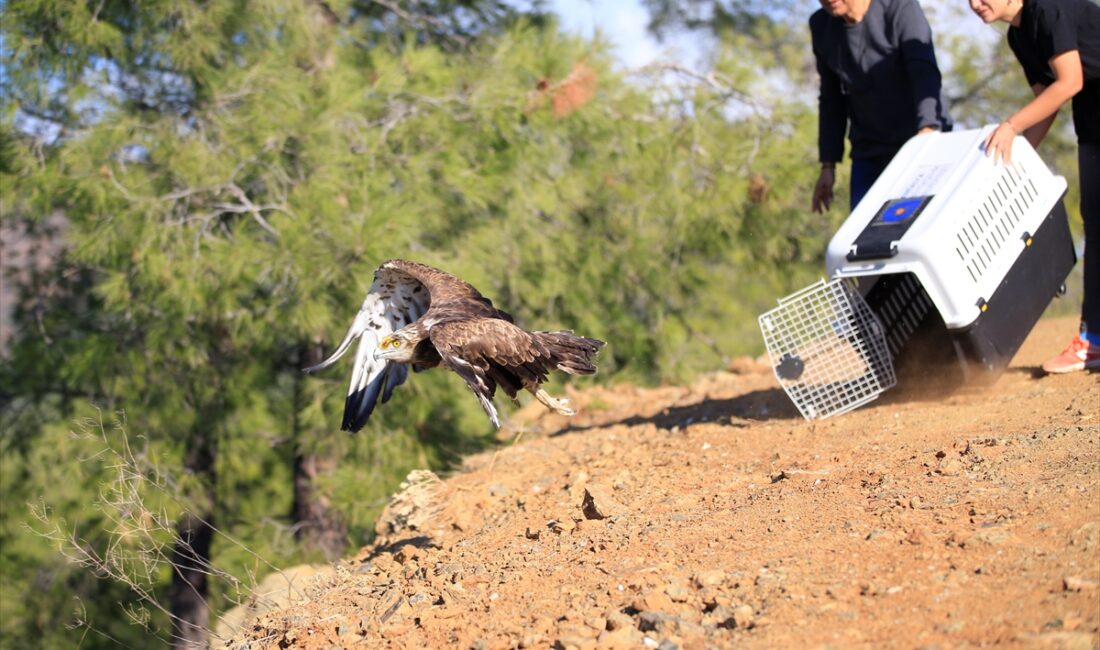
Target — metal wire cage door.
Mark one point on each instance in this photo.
(828, 349)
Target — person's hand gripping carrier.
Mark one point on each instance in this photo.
(954, 257)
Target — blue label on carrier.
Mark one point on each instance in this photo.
(901, 209)
(880, 238)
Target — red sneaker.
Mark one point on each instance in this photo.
(1078, 355)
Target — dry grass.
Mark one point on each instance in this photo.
(140, 505)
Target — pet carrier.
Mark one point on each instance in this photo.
(939, 273)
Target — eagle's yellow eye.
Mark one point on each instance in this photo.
(396, 343)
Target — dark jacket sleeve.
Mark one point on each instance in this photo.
(919, 56)
(832, 109)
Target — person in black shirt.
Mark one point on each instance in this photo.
(1057, 42)
(879, 75)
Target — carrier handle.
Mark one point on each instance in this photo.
(872, 251)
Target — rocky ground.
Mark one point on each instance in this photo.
(712, 515)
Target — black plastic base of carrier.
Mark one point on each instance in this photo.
(929, 355)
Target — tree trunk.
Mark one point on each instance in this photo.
(316, 524)
(190, 562)
(190, 556)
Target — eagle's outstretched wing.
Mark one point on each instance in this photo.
(489, 352)
(443, 286)
(452, 297)
(398, 296)
(467, 347)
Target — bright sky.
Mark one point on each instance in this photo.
(623, 22)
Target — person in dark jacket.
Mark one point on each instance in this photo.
(879, 82)
(1057, 42)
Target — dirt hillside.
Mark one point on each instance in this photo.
(712, 515)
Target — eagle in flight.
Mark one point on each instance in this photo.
(420, 317)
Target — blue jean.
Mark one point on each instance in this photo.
(865, 171)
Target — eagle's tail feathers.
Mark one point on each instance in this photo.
(570, 353)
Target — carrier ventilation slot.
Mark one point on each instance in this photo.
(995, 222)
(901, 304)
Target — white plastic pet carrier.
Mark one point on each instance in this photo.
(942, 269)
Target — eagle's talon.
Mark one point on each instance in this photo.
(558, 404)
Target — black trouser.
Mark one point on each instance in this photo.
(1088, 164)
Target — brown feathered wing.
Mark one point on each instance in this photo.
(488, 353)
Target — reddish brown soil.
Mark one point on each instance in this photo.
(717, 517)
